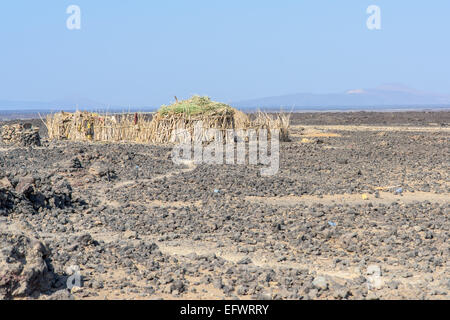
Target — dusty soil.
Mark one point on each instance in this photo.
(359, 210)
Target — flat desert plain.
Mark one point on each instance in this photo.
(358, 210)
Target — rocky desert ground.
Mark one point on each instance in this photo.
(358, 210)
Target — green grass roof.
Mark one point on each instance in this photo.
(194, 106)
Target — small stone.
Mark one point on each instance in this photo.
(5, 184)
(130, 234)
(245, 261)
(393, 285)
(320, 283)
(372, 296)
(76, 289)
(25, 185)
(98, 169)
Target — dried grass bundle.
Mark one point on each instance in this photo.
(280, 121)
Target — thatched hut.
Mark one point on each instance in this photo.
(87, 126)
(169, 124)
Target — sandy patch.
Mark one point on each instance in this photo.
(319, 128)
(353, 199)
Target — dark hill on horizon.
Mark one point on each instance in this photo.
(386, 97)
(382, 97)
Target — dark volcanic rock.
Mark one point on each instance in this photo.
(23, 267)
(138, 226)
(21, 134)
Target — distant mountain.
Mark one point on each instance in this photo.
(391, 95)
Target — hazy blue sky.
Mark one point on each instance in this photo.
(143, 52)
